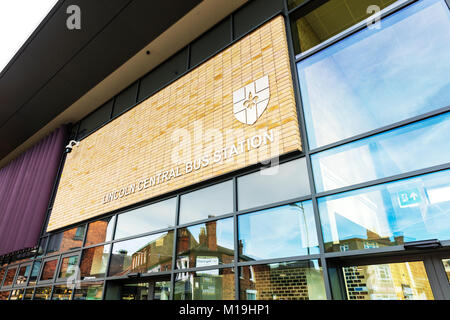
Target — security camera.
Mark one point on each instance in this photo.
(70, 146)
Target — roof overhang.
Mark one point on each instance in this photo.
(61, 75)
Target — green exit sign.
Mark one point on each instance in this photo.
(409, 198)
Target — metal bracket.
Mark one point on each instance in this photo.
(423, 244)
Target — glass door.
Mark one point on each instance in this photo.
(148, 288)
(424, 277)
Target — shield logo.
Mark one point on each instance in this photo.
(249, 102)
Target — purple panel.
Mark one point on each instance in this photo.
(25, 188)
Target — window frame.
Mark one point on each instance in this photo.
(58, 279)
(42, 283)
(30, 264)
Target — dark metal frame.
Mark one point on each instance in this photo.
(328, 260)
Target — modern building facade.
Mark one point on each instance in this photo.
(225, 150)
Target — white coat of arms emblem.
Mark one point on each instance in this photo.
(249, 102)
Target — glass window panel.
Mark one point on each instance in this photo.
(2, 274)
(294, 3)
(329, 19)
(394, 281)
(42, 245)
(446, 263)
(61, 293)
(207, 202)
(383, 155)
(67, 240)
(206, 244)
(49, 269)
(215, 284)
(100, 231)
(68, 266)
(253, 14)
(89, 291)
(388, 214)
(22, 276)
(34, 273)
(284, 231)
(42, 293)
(94, 262)
(125, 99)
(144, 255)
(287, 181)
(160, 215)
(16, 295)
(163, 74)
(352, 87)
(95, 119)
(28, 295)
(4, 295)
(296, 280)
(210, 42)
(9, 278)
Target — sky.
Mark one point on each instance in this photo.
(18, 20)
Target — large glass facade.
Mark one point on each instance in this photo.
(376, 77)
(373, 176)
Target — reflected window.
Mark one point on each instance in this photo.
(100, 231)
(16, 295)
(317, 24)
(388, 214)
(376, 77)
(49, 269)
(2, 274)
(42, 246)
(28, 295)
(94, 262)
(9, 277)
(68, 266)
(4, 295)
(62, 293)
(22, 276)
(208, 202)
(89, 291)
(206, 244)
(284, 231)
(282, 182)
(160, 215)
(270, 281)
(215, 284)
(34, 273)
(144, 255)
(394, 281)
(389, 153)
(67, 240)
(42, 293)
